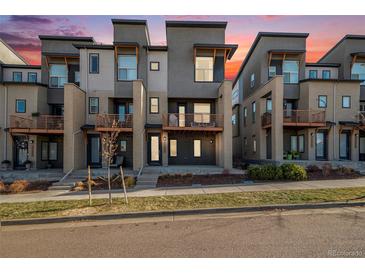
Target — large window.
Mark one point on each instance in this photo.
(20, 106)
(322, 101)
(204, 69)
(32, 77)
(154, 106)
(127, 67)
(94, 63)
(201, 112)
(173, 148)
(253, 112)
(358, 72)
(291, 72)
(17, 76)
(93, 105)
(197, 148)
(58, 76)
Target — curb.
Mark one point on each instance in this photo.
(150, 214)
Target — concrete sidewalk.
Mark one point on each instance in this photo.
(57, 195)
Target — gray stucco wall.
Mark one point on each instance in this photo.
(181, 71)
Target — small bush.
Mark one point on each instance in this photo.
(254, 172)
(2, 187)
(265, 172)
(18, 186)
(313, 168)
(345, 170)
(129, 181)
(294, 172)
(326, 170)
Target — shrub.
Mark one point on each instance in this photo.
(254, 172)
(326, 170)
(2, 187)
(18, 186)
(294, 172)
(129, 181)
(345, 170)
(265, 172)
(313, 168)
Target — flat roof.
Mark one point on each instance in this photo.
(330, 80)
(156, 48)
(61, 54)
(335, 65)
(21, 66)
(232, 47)
(196, 24)
(267, 34)
(129, 21)
(131, 44)
(66, 38)
(24, 83)
(93, 46)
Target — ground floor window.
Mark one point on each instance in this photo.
(197, 148)
(49, 151)
(254, 148)
(173, 148)
(321, 143)
(297, 143)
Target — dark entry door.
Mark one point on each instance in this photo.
(20, 151)
(345, 145)
(94, 151)
(154, 149)
(321, 145)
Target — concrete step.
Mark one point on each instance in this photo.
(60, 187)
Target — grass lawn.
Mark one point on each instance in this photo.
(100, 206)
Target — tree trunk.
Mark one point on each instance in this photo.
(89, 185)
(124, 188)
(109, 185)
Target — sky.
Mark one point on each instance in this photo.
(21, 32)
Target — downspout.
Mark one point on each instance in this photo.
(334, 119)
(6, 123)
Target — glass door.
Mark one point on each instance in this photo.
(154, 149)
(94, 151)
(345, 145)
(121, 109)
(321, 143)
(182, 110)
(21, 151)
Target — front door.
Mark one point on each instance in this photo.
(345, 145)
(21, 151)
(154, 149)
(94, 151)
(321, 146)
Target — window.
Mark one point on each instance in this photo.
(346, 101)
(32, 77)
(252, 80)
(326, 74)
(49, 151)
(52, 151)
(17, 76)
(322, 101)
(204, 69)
(202, 112)
(272, 71)
(58, 76)
(154, 108)
(234, 119)
(173, 148)
(127, 67)
(313, 74)
(197, 148)
(268, 105)
(362, 106)
(93, 105)
(44, 151)
(20, 106)
(301, 143)
(253, 112)
(154, 66)
(291, 72)
(254, 145)
(244, 116)
(130, 108)
(293, 143)
(123, 146)
(77, 76)
(93, 63)
(358, 72)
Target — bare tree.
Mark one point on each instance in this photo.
(110, 146)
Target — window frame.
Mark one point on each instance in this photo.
(90, 99)
(291, 72)
(155, 62)
(21, 76)
(253, 112)
(329, 73)
(91, 54)
(16, 105)
(58, 77)
(252, 80)
(316, 73)
(343, 97)
(200, 148)
(158, 105)
(44, 143)
(170, 143)
(49, 150)
(212, 70)
(119, 68)
(32, 73)
(319, 101)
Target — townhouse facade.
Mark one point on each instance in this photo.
(287, 109)
(170, 105)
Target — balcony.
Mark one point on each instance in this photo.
(192, 122)
(42, 124)
(114, 122)
(298, 118)
(361, 118)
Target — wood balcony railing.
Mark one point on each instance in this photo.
(114, 122)
(299, 117)
(193, 121)
(39, 124)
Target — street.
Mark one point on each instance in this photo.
(300, 233)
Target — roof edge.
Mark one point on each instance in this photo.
(195, 24)
(66, 38)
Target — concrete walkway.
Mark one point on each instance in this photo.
(66, 195)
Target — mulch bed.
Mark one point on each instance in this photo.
(332, 175)
(100, 185)
(188, 180)
(23, 186)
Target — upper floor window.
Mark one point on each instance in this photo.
(20, 106)
(358, 72)
(154, 66)
(272, 71)
(77, 76)
(127, 67)
(204, 69)
(32, 77)
(252, 80)
(322, 101)
(201, 112)
(154, 105)
(93, 63)
(17, 76)
(268, 105)
(253, 112)
(326, 74)
(93, 105)
(58, 75)
(244, 116)
(346, 101)
(313, 74)
(291, 72)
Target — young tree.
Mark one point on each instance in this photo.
(110, 146)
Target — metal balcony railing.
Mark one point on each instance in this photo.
(114, 121)
(41, 122)
(194, 121)
(297, 117)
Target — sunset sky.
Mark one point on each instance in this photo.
(21, 32)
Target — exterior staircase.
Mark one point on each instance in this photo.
(148, 178)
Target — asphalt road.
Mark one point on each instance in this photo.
(304, 233)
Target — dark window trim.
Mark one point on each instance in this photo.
(44, 142)
(90, 55)
(90, 98)
(311, 70)
(170, 148)
(156, 62)
(158, 105)
(252, 83)
(16, 105)
(21, 76)
(320, 100)
(349, 101)
(323, 71)
(36, 76)
(253, 113)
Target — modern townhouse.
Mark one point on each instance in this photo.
(170, 105)
(287, 109)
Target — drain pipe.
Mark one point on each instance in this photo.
(6, 124)
(334, 119)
